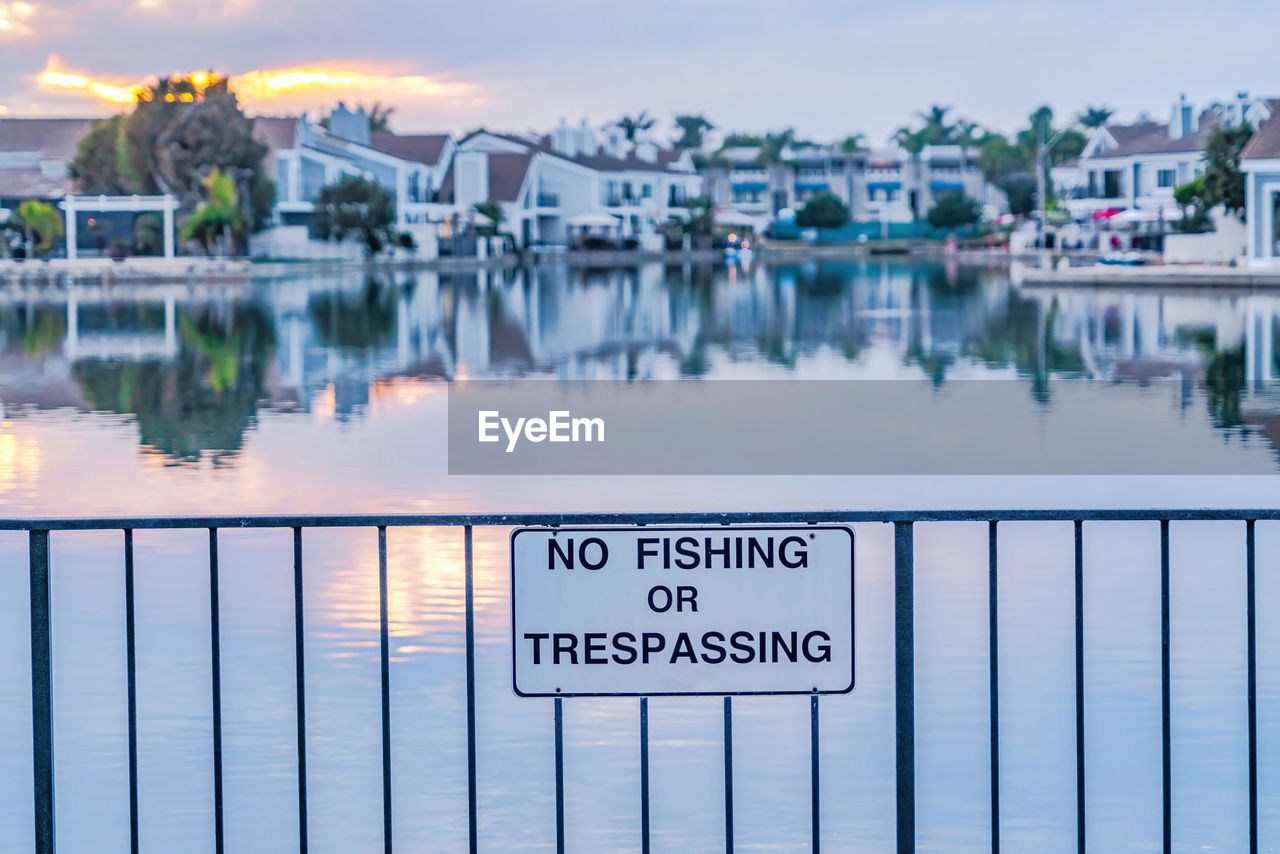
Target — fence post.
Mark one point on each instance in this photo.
(41, 692)
(904, 681)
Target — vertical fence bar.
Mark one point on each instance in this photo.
(559, 775)
(384, 639)
(728, 775)
(300, 689)
(644, 775)
(131, 682)
(1252, 667)
(904, 682)
(216, 689)
(1079, 601)
(1166, 739)
(815, 803)
(41, 692)
(993, 666)
(469, 595)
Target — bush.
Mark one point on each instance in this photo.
(954, 210)
(824, 210)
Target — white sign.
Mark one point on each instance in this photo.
(701, 610)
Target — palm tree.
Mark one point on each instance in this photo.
(773, 156)
(1095, 117)
(937, 130)
(692, 129)
(633, 126)
(40, 220)
(912, 142)
(854, 143)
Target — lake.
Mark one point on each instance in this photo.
(329, 394)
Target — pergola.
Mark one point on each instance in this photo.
(165, 204)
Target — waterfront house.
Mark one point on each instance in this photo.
(552, 187)
(1260, 161)
(885, 184)
(1138, 165)
(304, 156)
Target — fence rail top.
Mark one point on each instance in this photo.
(622, 518)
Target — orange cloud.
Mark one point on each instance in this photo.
(255, 87)
(15, 18)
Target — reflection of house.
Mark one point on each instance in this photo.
(1261, 164)
(34, 155)
(547, 183)
(1139, 165)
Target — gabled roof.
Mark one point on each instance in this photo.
(1153, 138)
(420, 148)
(52, 139)
(599, 161)
(507, 173)
(276, 132)
(1265, 144)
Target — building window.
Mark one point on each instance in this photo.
(646, 191)
(1166, 178)
(1111, 184)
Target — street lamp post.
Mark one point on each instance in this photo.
(1042, 190)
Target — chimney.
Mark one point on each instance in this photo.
(564, 139)
(1242, 106)
(348, 125)
(1183, 120)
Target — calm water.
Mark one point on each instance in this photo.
(329, 395)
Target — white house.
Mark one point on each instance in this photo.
(304, 157)
(554, 187)
(1260, 162)
(1139, 165)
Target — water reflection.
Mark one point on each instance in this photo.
(195, 366)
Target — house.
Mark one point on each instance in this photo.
(303, 157)
(885, 184)
(1139, 165)
(552, 187)
(34, 158)
(1260, 162)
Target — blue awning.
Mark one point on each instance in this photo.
(946, 186)
(812, 185)
(884, 185)
(750, 185)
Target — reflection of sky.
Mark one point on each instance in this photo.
(388, 455)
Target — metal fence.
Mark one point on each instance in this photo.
(904, 658)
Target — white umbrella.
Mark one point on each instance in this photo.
(593, 218)
(736, 218)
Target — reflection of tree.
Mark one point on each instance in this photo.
(31, 330)
(202, 400)
(363, 321)
(1224, 380)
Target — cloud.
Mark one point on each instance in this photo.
(16, 18)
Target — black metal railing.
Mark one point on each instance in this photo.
(39, 531)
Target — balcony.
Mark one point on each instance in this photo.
(547, 200)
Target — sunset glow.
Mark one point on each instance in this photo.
(254, 86)
(14, 17)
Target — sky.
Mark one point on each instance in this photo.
(825, 67)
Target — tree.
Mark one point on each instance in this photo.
(693, 131)
(41, 223)
(99, 164)
(1195, 214)
(354, 207)
(854, 143)
(823, 210)
(937, 130)
(633, 126)
(1224, 183)
(954, 210)
(218, 214)
(1095, 117)
(180, 128)
(702, 216)
(494, 213)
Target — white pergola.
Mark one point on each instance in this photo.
(166, 204)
